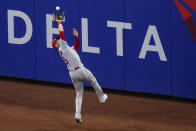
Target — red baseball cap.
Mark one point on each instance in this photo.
(53, 43)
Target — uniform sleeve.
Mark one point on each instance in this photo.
(61, 32)
(77, 43)
(62, 36)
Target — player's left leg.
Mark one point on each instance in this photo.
(78, 101)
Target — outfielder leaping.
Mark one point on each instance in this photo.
(77, 71)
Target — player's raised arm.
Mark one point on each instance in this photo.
(77, 41)
(61, 30)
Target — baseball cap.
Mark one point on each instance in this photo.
(53, 43)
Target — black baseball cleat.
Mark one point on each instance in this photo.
(78, 120)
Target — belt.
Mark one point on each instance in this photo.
(76, 68)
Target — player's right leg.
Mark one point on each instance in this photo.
(92, 80)
(78, 101)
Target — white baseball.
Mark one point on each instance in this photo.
(57, 8)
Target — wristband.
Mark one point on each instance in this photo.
(59, 22)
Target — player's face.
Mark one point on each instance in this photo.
(57, 45)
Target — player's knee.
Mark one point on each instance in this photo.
(93, 81)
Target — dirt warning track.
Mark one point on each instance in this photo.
(34, 106)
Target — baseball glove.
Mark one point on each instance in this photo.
(59, 16)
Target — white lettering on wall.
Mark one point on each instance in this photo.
(85, 44)
(29, 30)
(152, 32)
(119, 34)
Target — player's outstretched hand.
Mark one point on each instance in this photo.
(75, 32)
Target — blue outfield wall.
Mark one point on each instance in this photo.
(141, 46)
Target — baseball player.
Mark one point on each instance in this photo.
(77, 71)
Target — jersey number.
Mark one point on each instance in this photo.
(66, 61)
